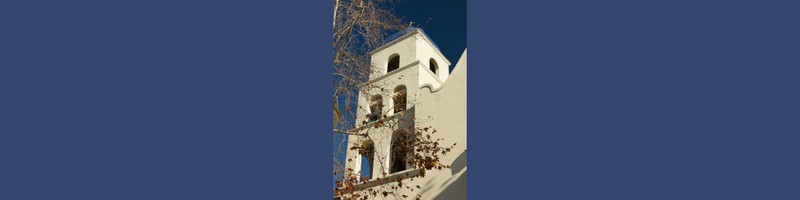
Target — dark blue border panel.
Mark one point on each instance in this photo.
(633, 99)
(165, 100)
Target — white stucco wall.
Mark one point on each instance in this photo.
(414, 46)
(445, 109)
(426, 51)
(405, 47)
(428, 77)
(436, 100)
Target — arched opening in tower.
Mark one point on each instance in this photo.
(394, 63)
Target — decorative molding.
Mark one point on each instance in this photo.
(390, 73)
(391, 178)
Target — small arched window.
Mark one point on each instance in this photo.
(367, 153)
(433, 65)
(394, 63)
(375, 108)
(399, 97)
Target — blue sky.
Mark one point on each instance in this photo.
(446, 23)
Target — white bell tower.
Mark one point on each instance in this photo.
(408, 61)
(411, 88)
(410, 47)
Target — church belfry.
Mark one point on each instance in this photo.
(409, 47)
(405, 93)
